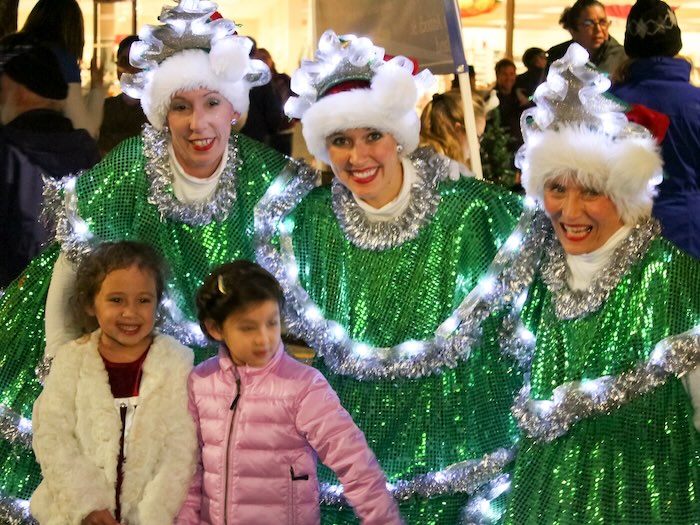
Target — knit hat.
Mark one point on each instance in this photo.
(351, 85)
(576, 131)
(652, 30)
(33, 66)
(195, 48)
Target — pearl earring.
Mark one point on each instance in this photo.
(399, 148)
(234, 120)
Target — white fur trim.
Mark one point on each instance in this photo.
(387, 105)
(626, 170)
(188, 70)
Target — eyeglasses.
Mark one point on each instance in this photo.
(590, 24)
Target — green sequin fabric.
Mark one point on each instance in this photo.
(639, 463)
(382, 298)
(116, 200)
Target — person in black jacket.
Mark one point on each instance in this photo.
(587, 22)
(36, 141)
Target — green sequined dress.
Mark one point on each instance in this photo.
(388, 284)
(608, 425)
(127, 196)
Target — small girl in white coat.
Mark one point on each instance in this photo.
(263, 419)
(112, 432)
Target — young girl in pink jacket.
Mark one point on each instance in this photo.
(263, 419)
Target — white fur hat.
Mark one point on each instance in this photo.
(575, 131)
(191, 50)
(350, 85)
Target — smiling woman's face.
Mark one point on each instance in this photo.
(200, 126)
(366, 162)
(583, 219)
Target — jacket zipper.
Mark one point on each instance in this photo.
(234, 406)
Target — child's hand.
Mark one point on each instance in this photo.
(99, 517)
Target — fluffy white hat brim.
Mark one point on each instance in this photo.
(388, 105)
(184, 71)
(626, 170)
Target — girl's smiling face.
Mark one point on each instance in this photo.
(125, 308)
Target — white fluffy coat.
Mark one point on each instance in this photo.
(77, 431)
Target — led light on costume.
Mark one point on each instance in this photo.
(479, 510)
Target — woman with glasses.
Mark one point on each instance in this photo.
(588, 25)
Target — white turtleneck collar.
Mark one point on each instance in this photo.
(397, 206)
(190, 189)
(584, 268)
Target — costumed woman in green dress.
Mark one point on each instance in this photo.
(611, 322)
(381, 272)
(187, 186)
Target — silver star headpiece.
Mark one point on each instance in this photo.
(188, 25)
(573, 95)
(342, 58)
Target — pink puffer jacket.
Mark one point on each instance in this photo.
(259, 444)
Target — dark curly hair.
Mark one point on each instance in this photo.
(569, 17)
(108, 257)
(233, 286)
(58, 22)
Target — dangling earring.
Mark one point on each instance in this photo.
(399, 149)
(166, 130)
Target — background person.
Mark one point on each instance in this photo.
(442, 125)
(588, 24)
(657, 78)
(59, 24)
(123, 116)
(36, 141)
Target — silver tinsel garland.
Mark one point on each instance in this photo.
(572, 304)
(15, 512)
(14, 428)
(510, 273)
(157, 167)
(43, 368)
(546, 420)
(61, 210)
(423, 203)
(463, 477)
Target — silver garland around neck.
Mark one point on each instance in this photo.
(161, 195)
(423, 203)
(572, 304)
(512, 270)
